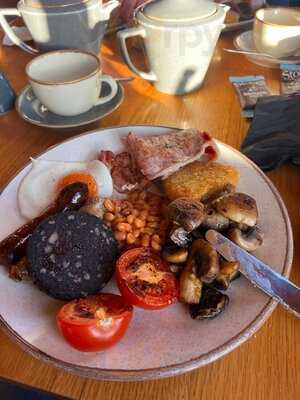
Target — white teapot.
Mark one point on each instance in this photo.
(180, 37)
(60, 24)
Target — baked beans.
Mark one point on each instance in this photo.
(139, 220)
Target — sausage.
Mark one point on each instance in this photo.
(19, 271)
(13, 247)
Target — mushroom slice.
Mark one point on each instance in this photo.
(214, 220)
(174, 254)
(249, 240)
(176, 269)
(187, 213)
(190, 286)
(198, 233)
(229, 188)
(229, 270)
(238, 207)
(205, 260)
(180, 237)
(211, 304)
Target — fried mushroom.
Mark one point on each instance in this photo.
(238, 207)
(176, 269)
(227, 189)
(214, 220)
(187, 213)
(229, 271)
(180, 236)
(249, 240)
(205, 260)
(202, 266)
(198, 233)
(190, 286)
(175, 254)
(211, 304)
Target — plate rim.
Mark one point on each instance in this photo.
(174, 369)
(45, 125)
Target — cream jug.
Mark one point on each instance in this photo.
(60, 24)
(180, 37)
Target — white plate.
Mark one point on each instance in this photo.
(244, 41)
(158, 343)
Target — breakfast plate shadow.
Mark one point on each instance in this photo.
(31, 110)
(161, 343)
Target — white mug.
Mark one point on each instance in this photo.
(68, 82)
(276, 31)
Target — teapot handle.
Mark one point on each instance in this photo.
(9, 31)
(226, 8)
(122, 36)
(107, 8)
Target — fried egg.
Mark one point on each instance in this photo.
(41, 186)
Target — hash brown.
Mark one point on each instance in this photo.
(200, 180)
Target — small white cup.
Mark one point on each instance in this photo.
(68, 82)
(276, 31)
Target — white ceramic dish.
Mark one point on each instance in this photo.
(179, 37)
(244, 41)
(31, 110)
(276, 31)
(72, 86)
(161, 343)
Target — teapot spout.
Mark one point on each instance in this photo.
(107, 8)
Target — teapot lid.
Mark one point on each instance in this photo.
(179, 10)
(53, 3)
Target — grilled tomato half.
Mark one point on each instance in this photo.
(145, 280)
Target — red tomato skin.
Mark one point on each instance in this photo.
(129, 295)
(89, 335)
(131, 298)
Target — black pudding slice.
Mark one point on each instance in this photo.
(72, 255)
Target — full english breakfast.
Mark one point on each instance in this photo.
(140, 215)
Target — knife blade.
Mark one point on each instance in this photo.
(257, 272)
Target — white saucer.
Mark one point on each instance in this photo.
(31, 110)
(244, 41)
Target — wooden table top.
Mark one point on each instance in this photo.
(266, 367)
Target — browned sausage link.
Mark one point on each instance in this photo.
(13, 248)
(19, 270)
(71, 198)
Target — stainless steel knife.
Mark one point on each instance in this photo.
(258, 273)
